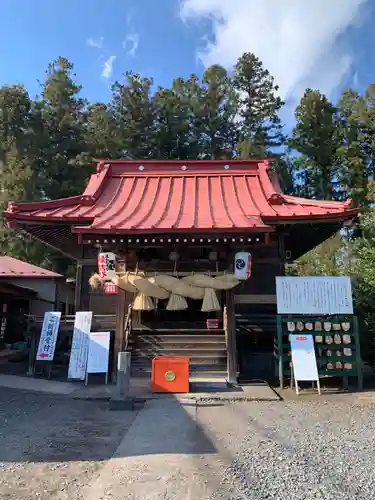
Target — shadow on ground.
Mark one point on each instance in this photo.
(36, 427)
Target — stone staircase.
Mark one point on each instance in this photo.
(206, 350)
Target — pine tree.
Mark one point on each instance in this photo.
(102, 136)
(63, 166)
(132, 109)
(315, 137)
(353, 173)
(17, 174)
(218, 108)
(260, 125)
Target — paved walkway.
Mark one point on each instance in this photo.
(36, 384)
(165, 454)
(141, 389)
(201, 390)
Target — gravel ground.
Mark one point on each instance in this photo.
(52, 446)
(55, 448)
(295, 450)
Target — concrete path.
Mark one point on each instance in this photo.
(201, 390)
(165, 455)
(35, 384)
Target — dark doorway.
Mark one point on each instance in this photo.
(255, 327)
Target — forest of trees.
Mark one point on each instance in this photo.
(47, 144)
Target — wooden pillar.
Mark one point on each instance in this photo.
(78, 290)
(231, 338)
(281, 254)
(119, 331)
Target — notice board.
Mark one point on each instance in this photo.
(48, 336)
(303, 357)
(80, 345)
(314, 295)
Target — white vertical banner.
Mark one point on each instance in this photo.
(80, 345)
(48, 336)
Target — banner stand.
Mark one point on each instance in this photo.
(293, 379)
(303, 365)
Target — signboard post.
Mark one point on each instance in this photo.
(80, 345)
(98, 354)
(48, 336)
(325, 295)
(304, 360)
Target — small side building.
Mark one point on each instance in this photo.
(26, 289)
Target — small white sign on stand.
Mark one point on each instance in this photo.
(98, 356)
(48, 336)
(304, 360)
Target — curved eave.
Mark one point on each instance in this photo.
(19, 218)
(328, 217)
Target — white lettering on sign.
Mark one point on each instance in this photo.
(48, 336)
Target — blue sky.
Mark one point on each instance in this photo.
(36, 32)
(324, 43)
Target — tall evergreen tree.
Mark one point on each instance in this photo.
(353, 172)
(63, 167)
(171, 134)
(217, 113)
(315, 137)
(132, 109)
(17, 173)
(260, 125)
(101, 133)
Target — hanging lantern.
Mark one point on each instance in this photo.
(242, 265)
(107, 265)
(110, 288)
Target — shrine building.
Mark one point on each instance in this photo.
(182, 218)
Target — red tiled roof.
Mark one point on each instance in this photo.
(14, 268)
(158, 196)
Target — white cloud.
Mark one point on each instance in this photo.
(95, 42)
(299, 41)
(131, 43)
(355, 80)
(108, 67)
